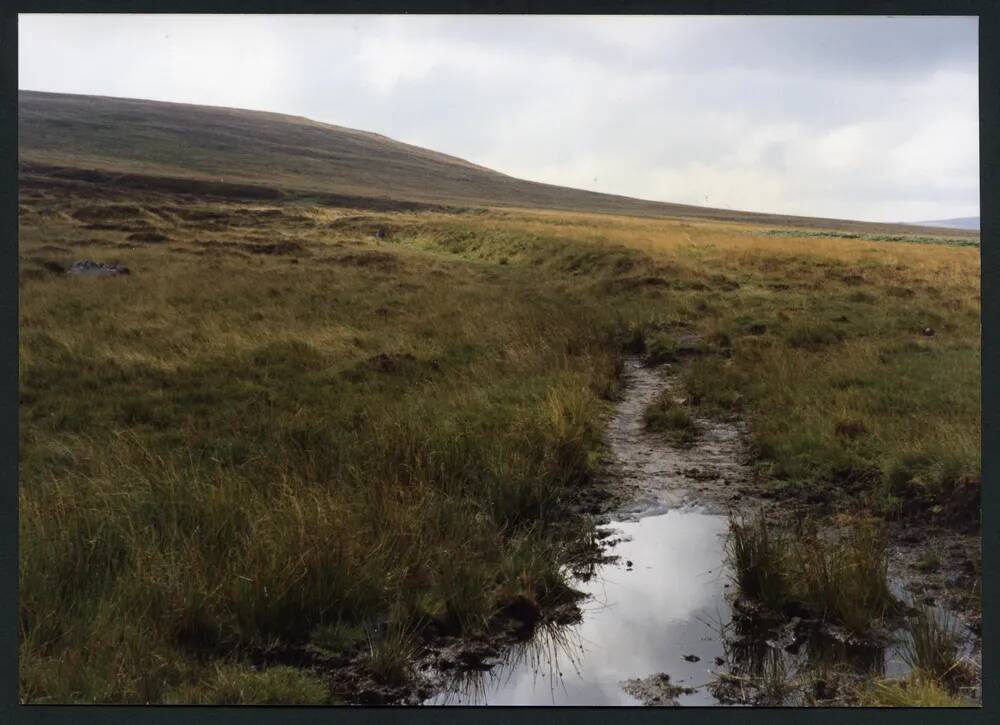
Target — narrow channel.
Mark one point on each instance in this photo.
(656, 625)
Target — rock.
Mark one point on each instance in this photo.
(928, 332)
(86, 267)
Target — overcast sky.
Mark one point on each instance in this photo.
(862, 118)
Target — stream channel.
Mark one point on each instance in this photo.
(658, 625)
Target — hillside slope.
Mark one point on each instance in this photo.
(147, 143)
(966, 222)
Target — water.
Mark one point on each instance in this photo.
(636, 621)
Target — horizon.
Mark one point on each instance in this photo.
(824, 161)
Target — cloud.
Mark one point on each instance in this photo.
(870, 118)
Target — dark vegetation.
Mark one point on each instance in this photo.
(842, 581)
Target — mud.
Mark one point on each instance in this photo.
(656, 690)
(646, 476)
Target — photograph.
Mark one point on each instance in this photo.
(426, 360)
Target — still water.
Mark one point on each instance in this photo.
(637, 621)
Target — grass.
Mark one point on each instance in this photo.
(908, 238)
(932, 646)
(391, 655)
(240, 685)
(932, 651)
(759, 554)
(665, 415)
(843, 581)
(214, 460)
(280, 428)
(915, 691)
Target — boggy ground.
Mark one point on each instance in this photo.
(282, 433)
(781, 657)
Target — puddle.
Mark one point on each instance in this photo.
(636, 621)
(658, 624)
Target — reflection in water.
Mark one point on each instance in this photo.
(768, 657)
(636, 621)
(551, 652)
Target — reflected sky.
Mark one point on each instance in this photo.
(638, 621)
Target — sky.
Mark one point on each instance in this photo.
(872, 118)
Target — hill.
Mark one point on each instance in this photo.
(232, 152)
(965, 222)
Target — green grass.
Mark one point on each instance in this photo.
(390, 655)
(279, 685)
(759, 554)
(932, 645)
(216, 460)
(843, 581)
(665, 415)
(908, 238)
(932, 651)
(916, 691)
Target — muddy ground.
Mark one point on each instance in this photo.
(716, 474)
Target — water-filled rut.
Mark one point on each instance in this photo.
(658, 624)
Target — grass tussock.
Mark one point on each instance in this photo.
(391, 655)
(932, 649)
(759, 555)
(842, 581)
(666, 415)
(932, 645)
(915, 691)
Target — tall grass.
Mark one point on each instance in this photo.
(843, 581)
(932, 644)
(847, 580)
(759, 555)
(247, 460)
